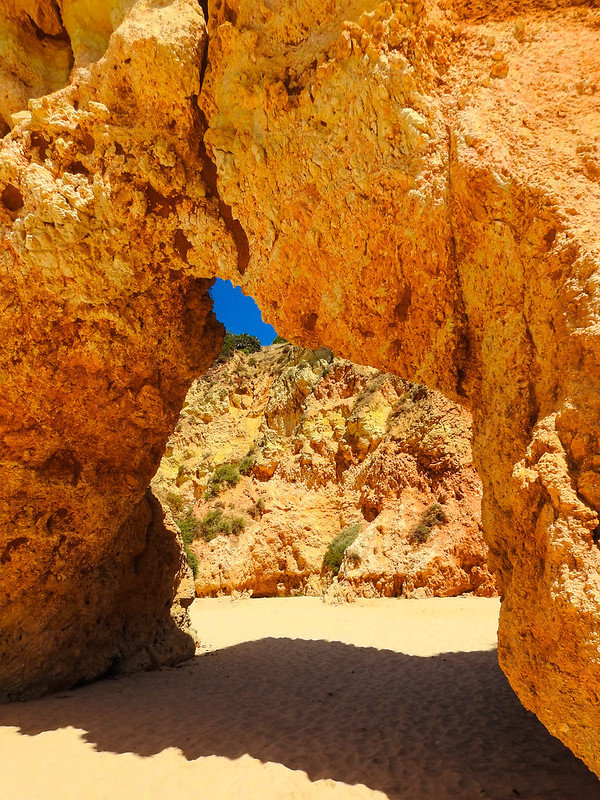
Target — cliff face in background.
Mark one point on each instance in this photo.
(327, 444)
(414, 184)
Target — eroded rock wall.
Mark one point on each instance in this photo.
(35, 55)
(105, 320)
(419, 185)
(362, 193)
(324, 444)
(415, 184)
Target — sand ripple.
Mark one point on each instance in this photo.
(295, 699)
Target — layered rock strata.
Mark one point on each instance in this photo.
(324, 444)
(415, 184)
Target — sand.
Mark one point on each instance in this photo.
(292, 698)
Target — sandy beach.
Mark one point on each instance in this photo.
(295, 699)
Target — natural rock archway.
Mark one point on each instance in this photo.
(416, 185)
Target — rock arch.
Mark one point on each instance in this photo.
(416, 185)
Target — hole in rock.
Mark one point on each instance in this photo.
(12, 198)
(87, 143)
(158, 204)
(77, 168)
(63, 466)
(43, 35)
(310, 321)
(293, 439)
(11, 547)
(182, 244)
(401, 308)
(59, 520)
(370, 514)
(39, 141)
(239, 313)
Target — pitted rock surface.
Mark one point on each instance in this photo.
(414, 184)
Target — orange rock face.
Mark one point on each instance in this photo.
(104, 324)
(36, 55)
(419, 187)
(324, 444)
(414, 184)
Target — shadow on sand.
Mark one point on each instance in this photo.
(446, 726)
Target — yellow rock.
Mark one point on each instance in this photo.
(463, 256)
(329, 444)
(499, 69)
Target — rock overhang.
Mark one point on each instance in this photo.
(404, 199)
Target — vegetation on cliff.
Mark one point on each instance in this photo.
(332, 560)
(300, 468)
(234, 342)
(432, 516)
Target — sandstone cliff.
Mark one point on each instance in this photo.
(419, 185)
(103, 327)
(415, 184)
(323, 445)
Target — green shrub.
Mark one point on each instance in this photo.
(175, 502)
(189, 525)
(432, 516)
(332, 560)
(419, 534)
(242, 341)
(214, 523)
(237, 525)
(279, 340)
(192, 560)
(258, 509)
(224, 474)
(246, 464)
(181, 475)
(227, 473)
